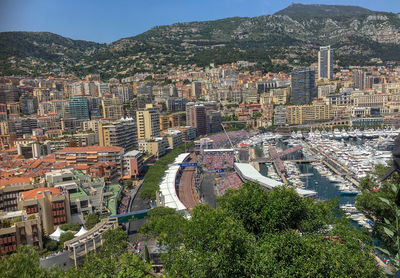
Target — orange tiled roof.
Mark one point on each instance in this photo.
(38, 193)
(90, 149)
(81, 167)
(15, 180)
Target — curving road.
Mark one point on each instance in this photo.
(186, 190)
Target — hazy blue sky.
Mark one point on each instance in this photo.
(107, 21)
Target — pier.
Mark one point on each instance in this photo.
(266, 160)
(333, 165)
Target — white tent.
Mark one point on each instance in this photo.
(56, 235)
(82, 231)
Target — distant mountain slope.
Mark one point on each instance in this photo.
(43, 45)
(302, 10)
(287, 39)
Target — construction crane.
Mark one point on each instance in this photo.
(227, 135)
(337, 118)
(229, 139)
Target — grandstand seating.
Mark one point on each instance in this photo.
(232, 180)
(221, 141)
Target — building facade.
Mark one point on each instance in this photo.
(325, 63)
(122, 133)
(303, 87)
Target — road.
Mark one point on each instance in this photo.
(186, 191)
(207, 189)
(186, 188)
(137, 204)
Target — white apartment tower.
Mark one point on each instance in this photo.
(325, 62)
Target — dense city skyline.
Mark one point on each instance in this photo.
(108, 22)
(240, 147)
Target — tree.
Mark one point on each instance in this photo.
(128, 183)
(92, 220)
(166, 225)
(25, 263)
(65, 237)
(264, 212)
(133, 266)
(51, 245)
(70, 227)
(256, 232)
(393, 234)
(112, 259)
(213, 245)
(146, 254)
(370, 202)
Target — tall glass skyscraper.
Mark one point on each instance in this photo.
(78, 108)
(303, 86)
(325, 62)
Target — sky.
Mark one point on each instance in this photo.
(107, 21)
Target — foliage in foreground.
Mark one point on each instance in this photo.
(377, 201)
(112, 260)
(259, 233)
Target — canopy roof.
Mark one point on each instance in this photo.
(82, 231)
(56, 235)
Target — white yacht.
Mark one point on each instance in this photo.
(345, 135)
(337, 134)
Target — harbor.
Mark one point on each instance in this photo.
(329, 163)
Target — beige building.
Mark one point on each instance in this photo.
(4, 128)
(370, 100)
(157, 146)
(148, 123)
(91, 155)
(17, 228)
(51, 204)
(188, 133)
(112, 108)
(174, 138)
(122, 133)
(318, 112)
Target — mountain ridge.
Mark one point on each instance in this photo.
(291, 39)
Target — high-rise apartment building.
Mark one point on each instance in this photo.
(122, 133)
(303, 86)
(214, 121)
(112, 108)
(78, 108)
(196, 90)
(196, 116)
(364, 80)
(148, 123)
(359, 79)
(325, 62)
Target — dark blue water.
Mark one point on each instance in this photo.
(325, 189)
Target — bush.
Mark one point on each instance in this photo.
(51, 245)
(92, 220)
(70, 227)
(65, 237)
